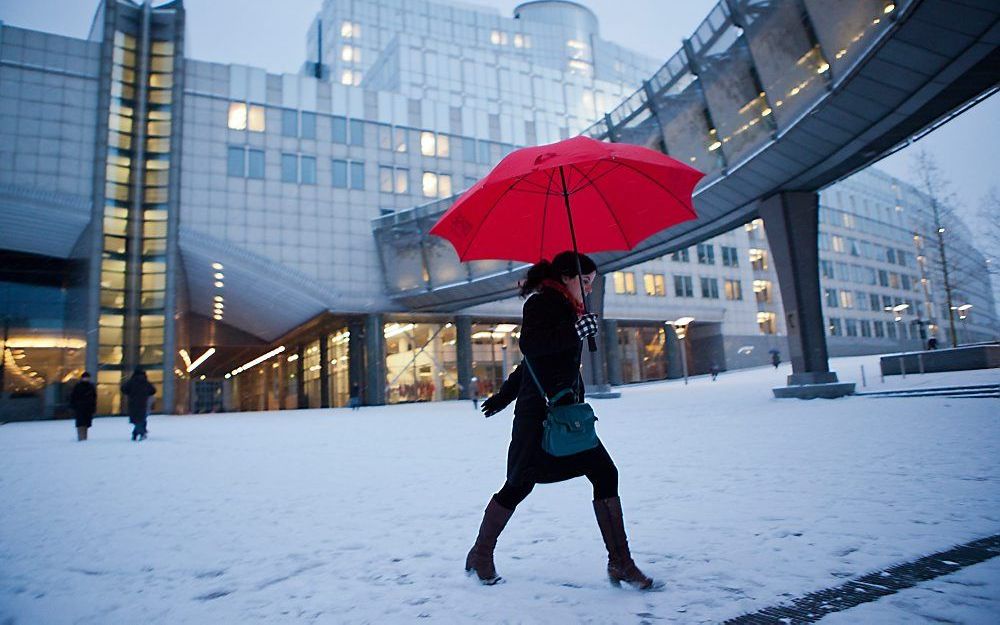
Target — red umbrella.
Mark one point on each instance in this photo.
(577, 194)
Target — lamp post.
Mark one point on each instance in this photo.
(897, 313)
(963, 312)
(680, 329)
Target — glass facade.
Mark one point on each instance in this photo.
(420, 362)
(643, 353)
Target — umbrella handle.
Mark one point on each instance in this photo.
(592, 343)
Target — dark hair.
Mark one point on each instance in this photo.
(138, 373)
(563, 265)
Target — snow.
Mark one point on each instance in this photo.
(736, 500)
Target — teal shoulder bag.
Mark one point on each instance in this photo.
(567, 429)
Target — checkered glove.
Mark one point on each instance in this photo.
(586, 325)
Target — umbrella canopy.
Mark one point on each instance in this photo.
(615, 194)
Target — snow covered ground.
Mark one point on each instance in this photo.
(736, 500)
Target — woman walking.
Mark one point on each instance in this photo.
(140, 393)
(553, 328)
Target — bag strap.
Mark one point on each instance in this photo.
(555, 398)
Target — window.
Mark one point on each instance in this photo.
(883, 277)
(706, 254)
(834, 327)
(866, 328)
(624, 282)
(338, 172)
(904, 280)
(683, 286)
(350, 54)
(890, 329)
(861, 300)
(681, 256)
(874, 303)
(762, 291)
(308, 125)
(654, 284)
(393, 179)
(894, 282)
(734, 290)
(237, 116)
(469, 150)
(758, 259)
(308, 170)
(256, 163)
(357, 175)
(831, 298)
(846, 299)
(350, 77)
(837, 243)
(289, 123)
(890, 255)
(235, 162)
(289, 168)
(430, 184)
(484, 153)
(350, 30)
(338, 130)
(434, 145)
(730, 257)
(357, 133)
(879, 328)
(766, 323)
(710, 288)
(826, 269)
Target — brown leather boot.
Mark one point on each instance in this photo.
(621, 567)
(480, 558)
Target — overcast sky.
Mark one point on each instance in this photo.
(271, 34)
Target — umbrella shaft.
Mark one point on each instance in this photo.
(572, 234)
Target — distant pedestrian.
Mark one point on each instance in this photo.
(932, 343)
(715, 371)
(775, 358)
(140, 394)
(474, 392)
(355, 397)
(83, 401)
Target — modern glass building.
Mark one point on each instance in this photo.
(215, 223)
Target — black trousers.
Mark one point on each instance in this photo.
(595, 464)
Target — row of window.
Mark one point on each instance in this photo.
(345, 131)
(706, 255)
(870, 328)
(864, 249)
(842, 298)
(344, 174)
(655, 286)
(867, 275)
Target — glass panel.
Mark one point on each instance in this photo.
(736, 103)
(155, 195)
(255, 164)
(420, 362)
(119, 123)
(159, 96)
(338, 132)
(338, 369)
(158, 145)
(157, 178)
(161, 81)
(681, 110)
(443, 264)
(289, 123)
(308, 170)
(791, 68)
(154, 229)
(289, 168)
(357, 175)
(308, 125)
(402, 180)
(404, 264)
(124, 40)
(339, 174)
(846, 29)
(119, 140)
(495, 353)
(154, 246)
(158, 128)
(357, 132)
(163, 48)
(162, 63)
(154, 281)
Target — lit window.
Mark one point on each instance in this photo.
(624, 282)
(384, 179)
(498, 38)
(237, 116)
(766, 322)
(444, 185)
(350, 30)
(256, 118)
(161, 81)
(443, 146)
(350, 54)
(350, 77)
(518, 41)
(654, 285)
(734, 290)
(427, 143)
(402, 180)
(430, 184)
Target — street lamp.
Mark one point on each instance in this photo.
(680, 329)
(963, 312)
(897, 313)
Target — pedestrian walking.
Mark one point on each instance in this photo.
(932, 343)
(775, 358)
(553, 328)
(714, 371)
(355, 397)
(474, 392)
(139, 393)
(83, 401)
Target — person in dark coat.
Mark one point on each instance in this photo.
(139, 392)
(355, 397)
(83, 401)
(775, 358)
(552, 332)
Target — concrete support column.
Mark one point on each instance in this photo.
(463, 354)
(595, 373)
(324, 373)
(674, 348)
(356, 356)
(301, 401)
(791, 220)
(612, 354)
(374, 360)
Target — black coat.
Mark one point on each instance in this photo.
(550, 344)
(83, 401)
(138, 390)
